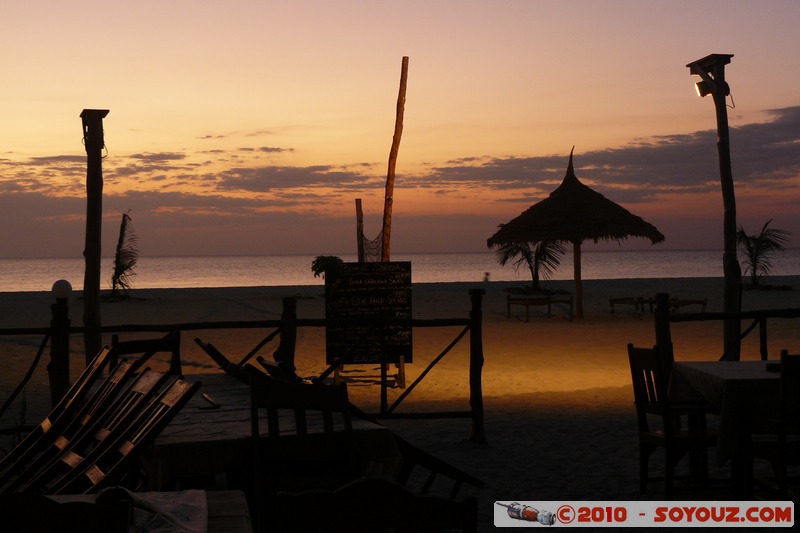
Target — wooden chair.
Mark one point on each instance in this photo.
(780, 446)
(421, 471)
(49, 429)
(147, 348)
(33, 513)
(227, 366)
(290, 456)
(112, 465)
(649, 379)
(370, 505)
(74, 452)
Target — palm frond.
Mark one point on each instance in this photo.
(759, 249)
(125, 258)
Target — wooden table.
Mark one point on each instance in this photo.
(742, 392)
(205, 441)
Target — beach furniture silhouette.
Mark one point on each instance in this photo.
(112, 465)
(93, 433)
(542, 299)
(85, 417)
(169, 343)
(649, 378)
(227, 366)
(276, 369)
(288, 456)
(421, 471)
(50, 428)
(777, 437)
(373, 504)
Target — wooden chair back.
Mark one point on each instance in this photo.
(329, 402)
(147, 348)
(370, 505)
(649, 387)
(290, 456)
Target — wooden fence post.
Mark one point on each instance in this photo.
(476, 365)
(663, 334)
(284, 354)
(58, 368)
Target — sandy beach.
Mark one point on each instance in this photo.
(560, 423)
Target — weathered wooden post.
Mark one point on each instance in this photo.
(94, 143)
(663, 334)
(388, 200)
(284, 353)
(58, 368)
(476, 365)
(712, 71)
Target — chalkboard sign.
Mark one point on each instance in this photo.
(359, 292)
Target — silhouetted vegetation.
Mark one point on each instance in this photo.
(125, 259)
(759, 251)
(542, 259)
(322, 262)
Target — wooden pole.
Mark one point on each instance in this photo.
(663, 332)
(360, 230)
(576, 269)
(476, 365)
(730, 263)
(93, 140)
(284, 354)
(712, 71)
(388, 196)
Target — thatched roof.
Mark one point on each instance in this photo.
(574, 213)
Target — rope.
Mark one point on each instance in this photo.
(27, 377)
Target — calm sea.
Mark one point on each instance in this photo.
(18, 275)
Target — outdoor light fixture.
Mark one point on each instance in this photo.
(712, 69)
(704, 88)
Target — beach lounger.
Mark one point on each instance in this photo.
(50, 428)
(546, 299)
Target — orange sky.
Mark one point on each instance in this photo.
(252, 126)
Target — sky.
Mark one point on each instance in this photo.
(251, 127)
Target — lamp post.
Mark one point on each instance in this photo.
(711, 70)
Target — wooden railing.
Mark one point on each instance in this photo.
(60, 331)
(663, 318)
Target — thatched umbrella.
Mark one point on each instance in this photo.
(574, 213)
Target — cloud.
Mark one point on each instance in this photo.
(276, 178)
(179, 200)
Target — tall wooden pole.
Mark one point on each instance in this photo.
(730, 263)
(94, 142)
(712, 70)
(576, 271)
(388, 196)
(359, 231)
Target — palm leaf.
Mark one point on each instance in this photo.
(125, 258)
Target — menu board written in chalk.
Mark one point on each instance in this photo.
(359, 292)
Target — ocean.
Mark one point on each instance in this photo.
(22, 275)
